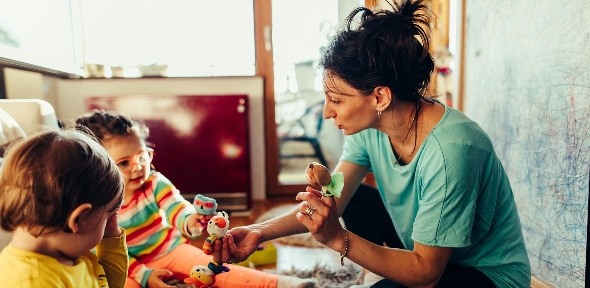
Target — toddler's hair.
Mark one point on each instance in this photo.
(106, 125)
(47, 175)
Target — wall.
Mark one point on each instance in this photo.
(67, 97)
(527, 83)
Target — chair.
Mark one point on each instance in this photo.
(304, 129)
(31, 115)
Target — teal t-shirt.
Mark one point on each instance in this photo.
(454, 193)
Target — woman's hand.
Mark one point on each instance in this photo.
(323, 222)
(112, 229)
(156, 277)
(239, 243)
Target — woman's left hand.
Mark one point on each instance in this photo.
(323, 222)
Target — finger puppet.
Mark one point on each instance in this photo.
(204, 276)
(217, 227)
(205, 207)
(318, 175)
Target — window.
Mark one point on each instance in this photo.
(41, 35)
(189, 38)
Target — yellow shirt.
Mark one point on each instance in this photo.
(21, 268)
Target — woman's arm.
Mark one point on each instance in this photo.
(422, 267)
(288, 224)
(240, 242)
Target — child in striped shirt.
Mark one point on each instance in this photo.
(158, 220)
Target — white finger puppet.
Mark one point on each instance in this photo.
(217, 227)
(318, 175)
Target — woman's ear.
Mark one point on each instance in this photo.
(383, 96)
(77, 219)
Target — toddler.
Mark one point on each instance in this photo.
(157, 218)
(59, 194)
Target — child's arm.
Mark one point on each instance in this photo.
(139, 272)
(178, 210)
(112, 253)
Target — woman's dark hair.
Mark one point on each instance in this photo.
(387, 48)
(105, 125)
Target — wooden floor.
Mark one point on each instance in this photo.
(288, 257)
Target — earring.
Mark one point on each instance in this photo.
(379, 113)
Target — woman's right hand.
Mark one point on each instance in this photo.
(156, 276)
(239, 243)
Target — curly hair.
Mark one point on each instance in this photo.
(387, 48)
(105, 125)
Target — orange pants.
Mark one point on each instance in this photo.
(184, 257)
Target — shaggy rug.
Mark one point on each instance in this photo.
(350, 274)
(345, 277)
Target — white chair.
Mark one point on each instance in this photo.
(32, 115)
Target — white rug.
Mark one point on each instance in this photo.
(350, 274)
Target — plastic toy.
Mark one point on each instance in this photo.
(217, 227)
(206, 207)
(318, 175)
(264, 255)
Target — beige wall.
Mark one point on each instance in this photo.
(67, 97)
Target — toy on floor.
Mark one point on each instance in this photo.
(318, 175)
(265, 254)
(217, 227)
(206, 207)
(204, 276)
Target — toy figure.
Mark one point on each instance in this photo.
(205, 207)
(217, 227)
(318, 175)
(204, 277)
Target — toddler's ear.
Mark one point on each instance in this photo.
(78, 217)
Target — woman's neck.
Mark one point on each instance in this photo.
(399, 120)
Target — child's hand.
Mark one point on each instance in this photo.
(156, 277)
(112, 229)
(196, 223)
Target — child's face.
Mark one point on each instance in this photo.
(133, 159)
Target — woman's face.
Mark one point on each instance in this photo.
(133, 159)
(350, 110)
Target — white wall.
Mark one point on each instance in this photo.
(67, 97)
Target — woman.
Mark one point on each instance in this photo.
(450, 211)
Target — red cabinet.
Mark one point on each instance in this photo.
(201, 141)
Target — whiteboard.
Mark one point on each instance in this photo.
(527, 83)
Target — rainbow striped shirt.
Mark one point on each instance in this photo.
(155, 223)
